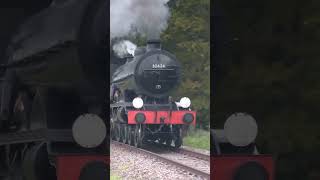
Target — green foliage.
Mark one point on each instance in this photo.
(199, 139)
(273, 69)
(188, 37)
(272, 72)
(114, 177)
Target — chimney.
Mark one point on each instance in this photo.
(153, 44)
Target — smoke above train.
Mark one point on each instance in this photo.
(145, 17)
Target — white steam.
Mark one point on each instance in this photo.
(146, 17)
(124, 47)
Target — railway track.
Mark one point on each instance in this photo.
(166, 159)
(192, 153)
(181, 150)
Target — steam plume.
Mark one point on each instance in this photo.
(124, 47)
(146, 17)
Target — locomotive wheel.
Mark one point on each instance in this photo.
(178, 138)
(36, 164)
(123, 133)
(130, 135)
(178, 142)
(117, 132)
(111, 128)
(169, 141)
(126, 134)
(137, 136)
(113, 132)
(161, 140)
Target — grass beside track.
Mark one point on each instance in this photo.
(198, 139)
(114, 177)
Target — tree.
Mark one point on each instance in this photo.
(272, 72)
(188, 37)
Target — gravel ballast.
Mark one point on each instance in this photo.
(130, 164)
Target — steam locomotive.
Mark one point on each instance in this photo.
(53, 91)
(141, 109)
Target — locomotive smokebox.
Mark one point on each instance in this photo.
(152, 72)
(153, 44)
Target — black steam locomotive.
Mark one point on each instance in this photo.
(141, 108)
(53, 90)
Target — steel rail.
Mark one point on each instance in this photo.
(181, 150)
(192, 153)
